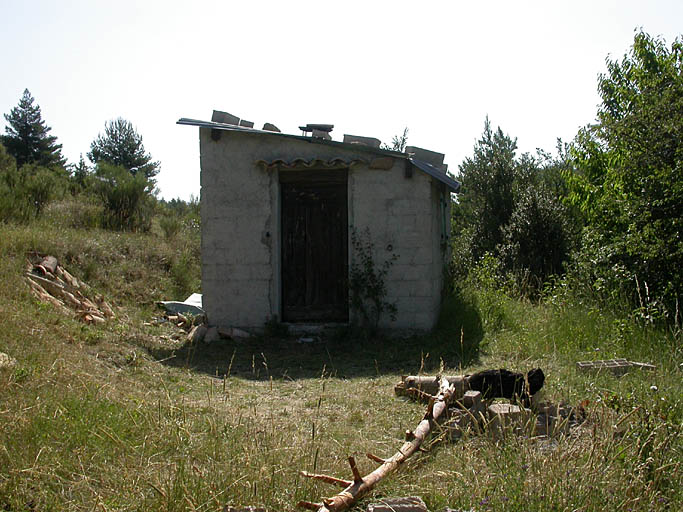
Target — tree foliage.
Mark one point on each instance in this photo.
(121, 145)
(628, 177)
(509, 209)
(27, 136)
(126, 197)
(25, 191)
(487, 199)
(398, 142)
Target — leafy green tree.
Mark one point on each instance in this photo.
(538, 239)
(79, 174)
(628, 181)
(27, 136)
(509, 210)
(487, 199)
(121, 145)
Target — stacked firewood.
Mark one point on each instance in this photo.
(53, 284)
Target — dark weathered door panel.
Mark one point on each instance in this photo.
(314, 250)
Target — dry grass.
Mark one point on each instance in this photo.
(124, 417)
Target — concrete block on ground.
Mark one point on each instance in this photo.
(504, 416)
(246, 124)
(459, 422)
(270, 127)
(615, 366)
(472, 399)
(407, 504)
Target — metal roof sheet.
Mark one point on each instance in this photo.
(437, 174)
(425, 167)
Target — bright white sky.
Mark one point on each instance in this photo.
(368, 67)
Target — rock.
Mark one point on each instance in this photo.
(6, 361)
(270, 127)
(406, 504)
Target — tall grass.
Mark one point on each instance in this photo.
(127, 416)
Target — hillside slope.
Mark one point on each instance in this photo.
(127, 416)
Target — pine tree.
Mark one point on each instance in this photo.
(121, 145)
(27, 138)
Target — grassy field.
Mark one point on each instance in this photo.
(128, 416)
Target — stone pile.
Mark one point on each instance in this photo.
(471, 413)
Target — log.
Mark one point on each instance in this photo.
(48, 263)
(429, 384)
(363, 485)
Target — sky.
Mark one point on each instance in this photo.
(369, 67)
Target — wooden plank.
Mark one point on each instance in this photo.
(314, 251)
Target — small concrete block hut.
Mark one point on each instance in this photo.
(280, 214)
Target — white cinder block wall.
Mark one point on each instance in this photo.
(241, 225)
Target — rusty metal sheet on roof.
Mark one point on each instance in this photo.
(437, 174)
(310, 163)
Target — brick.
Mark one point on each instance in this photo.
(225, 118)
(615, 366)
(432, 157)
(472, 399)
(365, 141)
(460, 421)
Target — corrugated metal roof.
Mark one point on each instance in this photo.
(437, 174)
(425, 167)
(314, 140)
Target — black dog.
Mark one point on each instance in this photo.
(506, 384)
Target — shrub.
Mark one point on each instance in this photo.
(537, 240)
(367, 286)
(25, 192)
(128, 199)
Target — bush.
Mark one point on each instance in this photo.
(367, 286)
(128, 200)
(25, 192)
(537, 240)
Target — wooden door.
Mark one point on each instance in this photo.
(314, 246)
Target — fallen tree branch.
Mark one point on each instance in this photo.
(363, 485)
